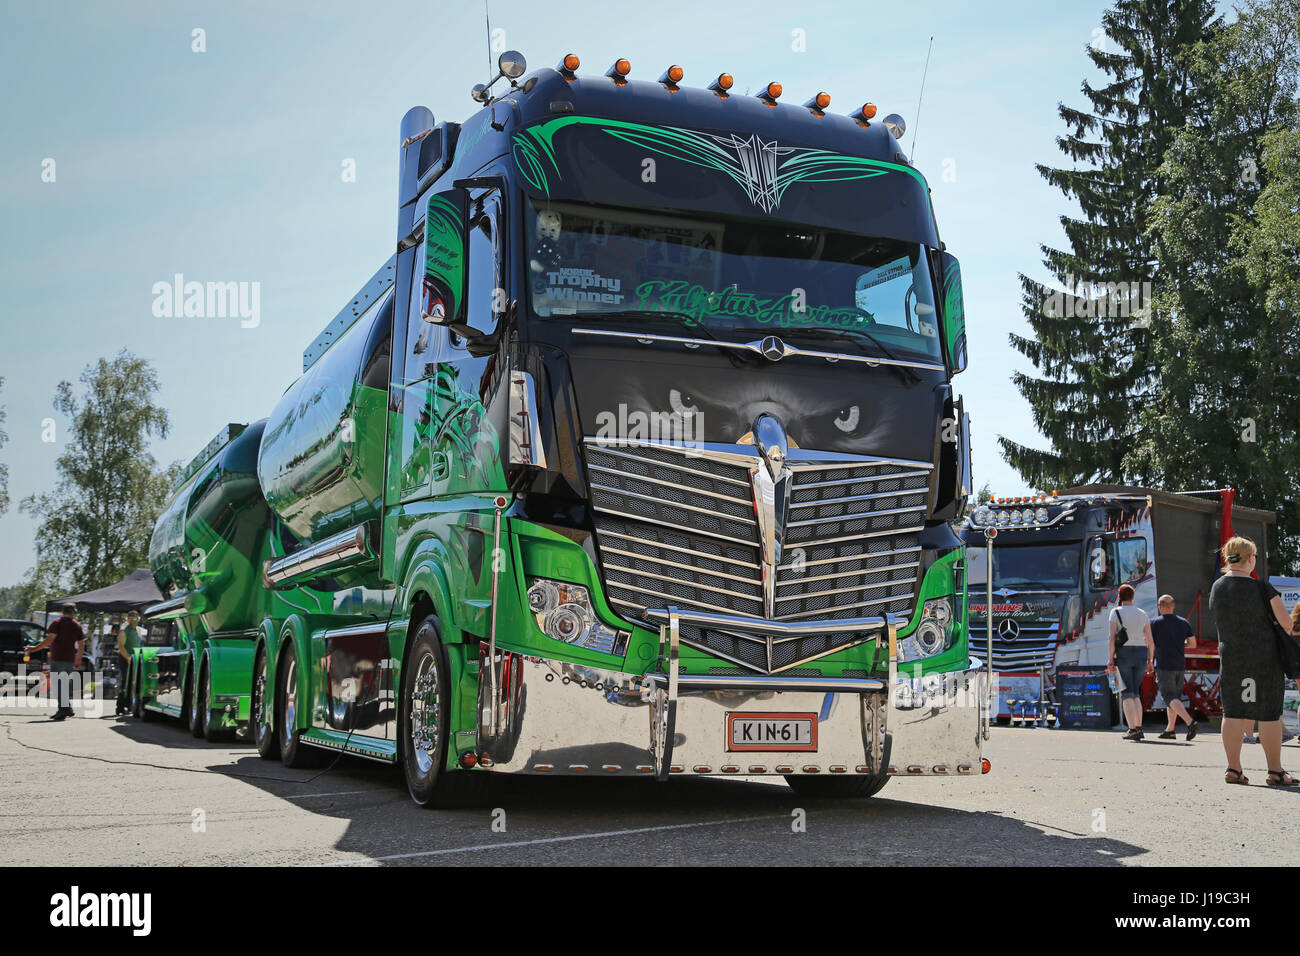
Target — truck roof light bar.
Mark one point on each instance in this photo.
(671, 77)
(722, 84)
(619, 71)
(865, 115)
(819, 103)
(569, 65)
(771, 93)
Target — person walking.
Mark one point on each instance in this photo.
(1132, 654)
(1251, 675)
(66, 640)
(128, 642)
(1172, 636)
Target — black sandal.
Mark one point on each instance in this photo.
(1280, 778)
(1235, 776)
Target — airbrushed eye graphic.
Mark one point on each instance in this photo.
(847, 420)
(682, 406)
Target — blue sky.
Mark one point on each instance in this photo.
(226, 166)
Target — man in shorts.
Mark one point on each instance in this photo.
(1172, 635)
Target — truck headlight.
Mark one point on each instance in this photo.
(564, 613)
(933, 635)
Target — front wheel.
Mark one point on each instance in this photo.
(260, 722)
(833, 788)
(424, 727)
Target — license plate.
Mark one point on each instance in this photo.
(774, 732)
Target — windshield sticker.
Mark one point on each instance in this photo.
(763, 169)
(582, 285)
(695, 303)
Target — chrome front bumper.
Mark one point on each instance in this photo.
(544, 716)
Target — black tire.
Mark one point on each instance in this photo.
(837, 788)
(293, 752)
(189, 712)
(261, 725)
(211, 732)
(424, 712)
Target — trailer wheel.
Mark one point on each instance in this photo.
(212, 733)
(293, 752)
(261, 724)
(189, 706)
(832, 788)
(424, 726)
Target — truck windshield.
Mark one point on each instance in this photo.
(1036, 566)
(613, 266)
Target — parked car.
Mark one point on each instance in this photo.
(15, 639)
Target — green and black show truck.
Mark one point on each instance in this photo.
(637, 457)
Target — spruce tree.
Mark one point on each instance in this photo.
(1095, 369)
(1228, 337)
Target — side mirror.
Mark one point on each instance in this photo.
(445, 273)
(954, 312)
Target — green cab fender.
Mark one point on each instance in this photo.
(295, 631)
(426, 576)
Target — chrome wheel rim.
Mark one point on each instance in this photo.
(259, 699)
(422, 708)
(290, 698)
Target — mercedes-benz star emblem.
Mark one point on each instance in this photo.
(773, 348)
(1008, 630)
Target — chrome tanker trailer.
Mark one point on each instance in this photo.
(206, 555)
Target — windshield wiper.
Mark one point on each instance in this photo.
(681, 319)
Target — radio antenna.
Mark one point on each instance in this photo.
(487, 20)
(924, 73)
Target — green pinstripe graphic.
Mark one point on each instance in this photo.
(534, 154)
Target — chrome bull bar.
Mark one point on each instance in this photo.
(666, 697)
(559, 717)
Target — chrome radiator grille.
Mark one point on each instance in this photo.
(679, 526)
(1033, 647)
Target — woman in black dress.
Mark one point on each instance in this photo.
(1251, 680)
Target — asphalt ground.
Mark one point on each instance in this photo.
(111, 791)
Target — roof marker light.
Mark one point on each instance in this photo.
(672, 76)
(569, 65)
(771, 93)
(865, 115)
(819, 103)
(722, 84)
(619, 71)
